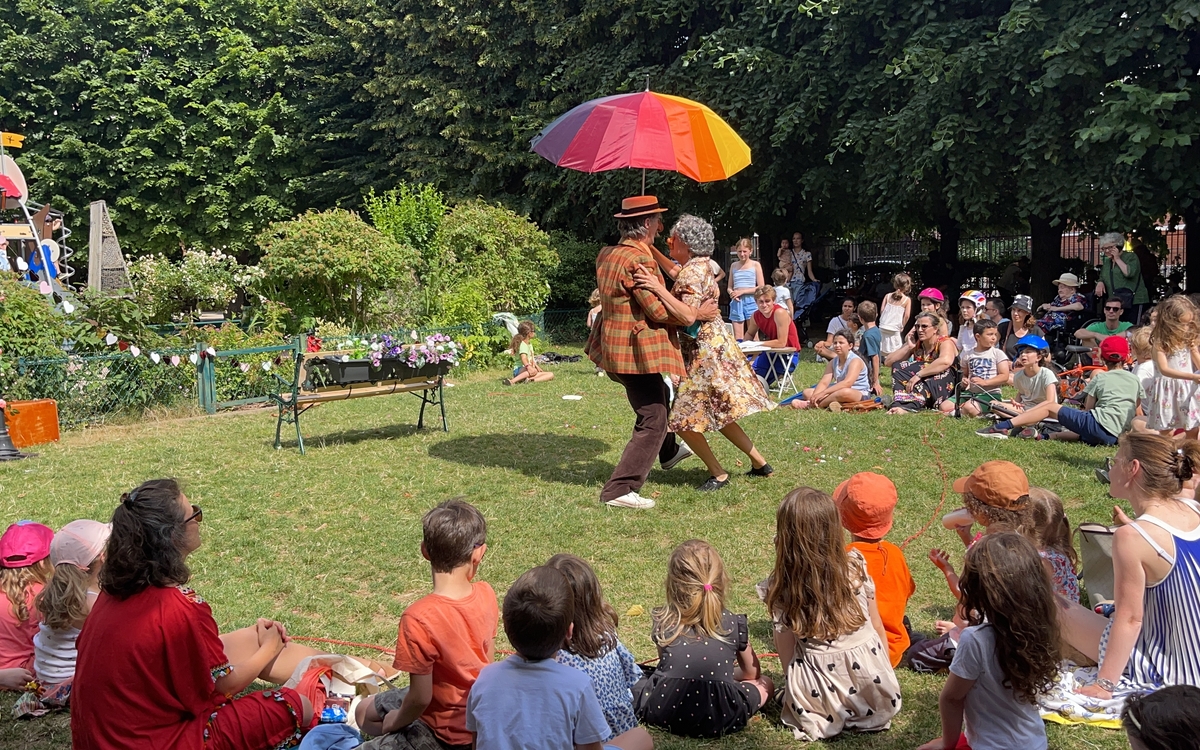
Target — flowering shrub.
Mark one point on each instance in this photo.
(200, 281)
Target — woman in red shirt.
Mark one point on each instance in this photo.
(152, 669)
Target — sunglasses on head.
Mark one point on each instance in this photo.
(197, 513)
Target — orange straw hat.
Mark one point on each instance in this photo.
(999, 484)
(865, 503)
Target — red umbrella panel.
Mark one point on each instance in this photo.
(645, 130)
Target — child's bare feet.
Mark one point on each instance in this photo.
(939, 558)
(800, 404)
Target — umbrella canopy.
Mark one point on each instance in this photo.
(645, 130)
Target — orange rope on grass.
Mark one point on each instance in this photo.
(945, 484)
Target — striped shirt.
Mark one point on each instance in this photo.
(1168, 648)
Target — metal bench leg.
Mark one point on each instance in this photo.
(421, 416)
(299, 437)
(278, 428)
(442, 405)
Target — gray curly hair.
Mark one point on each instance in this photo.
(1111, 238)
(696, 233)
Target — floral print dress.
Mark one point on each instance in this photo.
(720, 387)
(1174, 404)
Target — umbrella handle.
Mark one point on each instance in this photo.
(644, 177)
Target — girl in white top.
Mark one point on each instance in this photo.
(77, 554)
(1175, 339)
(893, 317)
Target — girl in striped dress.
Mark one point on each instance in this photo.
(1153, 638)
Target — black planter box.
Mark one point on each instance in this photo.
(398, 369)
(336, 372)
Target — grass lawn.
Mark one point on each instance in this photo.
(328, 542)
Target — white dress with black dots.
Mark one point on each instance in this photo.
(844, 684)
(693, 692)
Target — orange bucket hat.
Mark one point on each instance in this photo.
(865, 503)
(999, 484)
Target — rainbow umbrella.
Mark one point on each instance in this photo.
(644, 131)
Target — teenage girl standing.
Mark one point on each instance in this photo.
(745, 275)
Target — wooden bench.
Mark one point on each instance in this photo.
(303, 394)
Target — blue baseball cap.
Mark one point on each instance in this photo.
(1032, 341)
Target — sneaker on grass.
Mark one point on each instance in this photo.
(682, 452)
(631, 500)
(1028, 433)
(992, 431)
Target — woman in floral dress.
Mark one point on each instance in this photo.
(720, 388)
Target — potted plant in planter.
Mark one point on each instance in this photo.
(353, 365)
(427, 358)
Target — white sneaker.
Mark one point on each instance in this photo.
(683, 452)
(631, 500)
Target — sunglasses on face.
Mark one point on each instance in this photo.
(1112, 309)
(197, 514)
(922, 326)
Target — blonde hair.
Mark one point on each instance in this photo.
(594, 299)
(766, 291)
(813, 590)
(1139, 342)
(15, 583)
(63, 602)
(696, 585)
(1171, 334)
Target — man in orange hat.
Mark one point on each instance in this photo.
(634, 343)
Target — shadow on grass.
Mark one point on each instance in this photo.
(351, 437)
(551, 458)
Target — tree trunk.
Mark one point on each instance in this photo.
(949, 233)
(1045, 239)
(1191, 241)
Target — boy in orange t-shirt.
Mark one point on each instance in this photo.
(865, 503)
(446, 637)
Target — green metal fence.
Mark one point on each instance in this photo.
(95, 388)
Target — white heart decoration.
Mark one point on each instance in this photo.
(244, 367)
(110, 339)
(194, 357)
(211, 352)
(21, 264)
(44, 288)
(266, 366)
(68, 308)
(155, 357)
(174, 360)
(135, 351)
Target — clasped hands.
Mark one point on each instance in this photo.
(644, 278)
(271, 634)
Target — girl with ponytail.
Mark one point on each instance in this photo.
(708, 682)
(1149, 642)
(831, 641)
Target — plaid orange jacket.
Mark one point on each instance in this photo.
(635, 334)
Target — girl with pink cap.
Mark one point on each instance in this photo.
(77, 554)
(24, 547)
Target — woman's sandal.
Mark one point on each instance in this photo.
(762, 471)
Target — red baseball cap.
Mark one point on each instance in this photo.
(1114, 349)
(25, 543)
(865, 503)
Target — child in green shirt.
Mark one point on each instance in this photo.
(526, 368)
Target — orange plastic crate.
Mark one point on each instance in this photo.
(32, 422)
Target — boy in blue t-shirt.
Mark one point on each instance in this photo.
(529, 701)
(870, 344)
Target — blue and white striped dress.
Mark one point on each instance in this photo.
(1167, 651)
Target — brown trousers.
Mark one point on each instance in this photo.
(650, 399)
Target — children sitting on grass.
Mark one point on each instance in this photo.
(984, 369)
(865, 503)
(526, 368)
(529, 701)
(837, 672)
(24, 570)
(445, 637)
(1035, 382)
(1111, 401)
(708, 682)
(594, 649)
(77, 554)
(1007, 656)
(845, 380)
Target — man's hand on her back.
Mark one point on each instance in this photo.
(710, 310)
